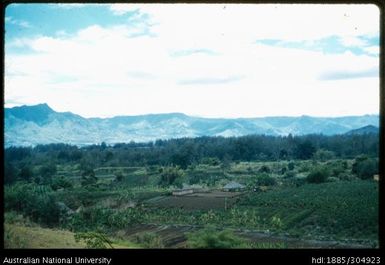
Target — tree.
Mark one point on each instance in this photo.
(226, 162)
(25, 173)
(34, 201)
(212, 161)
(305, 150)
(283, 154)
(46, 172)
(324, 155)
(169, 175)
(9, 173)
(61, 183)
(119, 176)
(88, 177)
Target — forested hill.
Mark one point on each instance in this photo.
(39, 124)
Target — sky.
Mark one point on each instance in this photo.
(207, 60)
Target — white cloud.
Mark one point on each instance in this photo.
(115, 70)
(373, 50)
(121, 9)
(349, 41)
(17, 22)
(266, 21)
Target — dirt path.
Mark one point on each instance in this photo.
(174, 236)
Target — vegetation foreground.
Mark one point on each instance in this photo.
(61, 196)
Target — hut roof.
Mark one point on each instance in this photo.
(233, 185)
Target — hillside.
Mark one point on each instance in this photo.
(364, 130)
(39, 124)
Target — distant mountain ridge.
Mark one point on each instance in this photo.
(39, 124)
(364, 130)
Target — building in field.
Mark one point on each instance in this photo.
(233, 186)
(182, 192)
(376, 177)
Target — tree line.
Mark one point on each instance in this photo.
(183, 152)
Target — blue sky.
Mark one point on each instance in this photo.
(329, 45)
(103, 60)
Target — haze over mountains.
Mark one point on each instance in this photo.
(39, 124)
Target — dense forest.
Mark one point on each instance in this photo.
(189, 151)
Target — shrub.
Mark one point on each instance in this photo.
(210, 238)
(32, 200)
(265, 180)
(170, 175)
(94, 239)
(88, 178)
(289, 174)
(212, 161)
(61, 182)
(365, 167)
(323, 155)
(149, 240)
(264, 169)
(290, 166)
(318, 175)
(119, 176)
(333, 179)
(46, 172)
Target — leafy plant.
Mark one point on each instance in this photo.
(210, 238)
(94, 239)
(149, 240)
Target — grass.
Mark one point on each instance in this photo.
(18, 236)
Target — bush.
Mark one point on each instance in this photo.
(46, 172)
(333, 179)
(170, 175)
(212, 161)
(289, 174)
(32, 200)
(119, 176)
(265, 180)
(264, 169)
(88, 178)
(149, 240)
(318, 175)
(290, 166)
(94, 239)
(210, 238)
(365, 167)
(324, 155)
(61, 183)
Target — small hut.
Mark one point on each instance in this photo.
(233, 186)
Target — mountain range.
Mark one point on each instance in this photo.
(39, 124)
